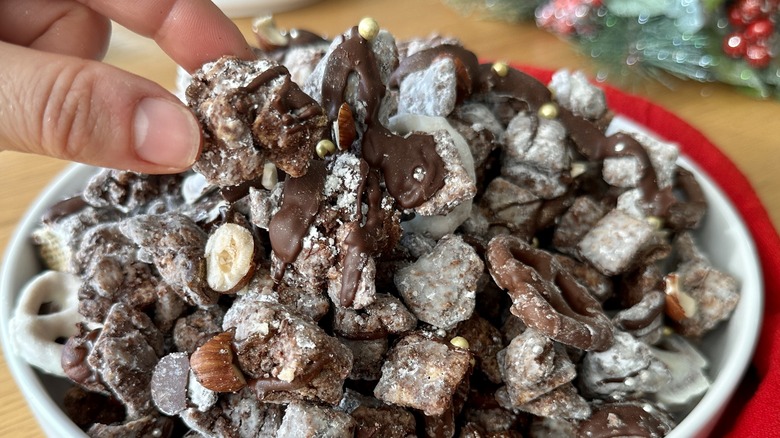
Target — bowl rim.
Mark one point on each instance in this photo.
(52, 419)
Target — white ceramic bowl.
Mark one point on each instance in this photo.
(723, 237)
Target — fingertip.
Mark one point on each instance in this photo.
(165, 134)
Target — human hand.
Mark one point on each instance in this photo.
(58, 99)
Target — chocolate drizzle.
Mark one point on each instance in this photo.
(466, 64)
(586, 136)
(362, 241)
(64, 208)
(301, 199)
(412, 169)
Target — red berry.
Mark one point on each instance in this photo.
(757, 55)
(743, 12)
(734, 45)
(760, 29)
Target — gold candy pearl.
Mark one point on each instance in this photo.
(368, 28)
(324, 148)
(548, 110)
(460, 342)
(655, 221)
(501, 69)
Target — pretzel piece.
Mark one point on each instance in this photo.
(546, 297)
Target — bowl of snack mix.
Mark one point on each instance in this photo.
(387, 238)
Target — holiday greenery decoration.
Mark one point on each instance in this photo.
(730, 41)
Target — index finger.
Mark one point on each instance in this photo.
(191, 32)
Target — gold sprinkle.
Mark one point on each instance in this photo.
(460, 342)
(668, 331)
(548, 110)
(368, 28)
(325, 147)
(655, 221)
(501, 69)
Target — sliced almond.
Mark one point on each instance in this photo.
(344, 127)
(679, 305)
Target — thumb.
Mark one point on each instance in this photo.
(87, 111)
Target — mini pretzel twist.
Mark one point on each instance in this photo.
(546, 297)
(34, 334)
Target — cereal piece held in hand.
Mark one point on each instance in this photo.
(440, 287)
(626, 419)
(422, 373)
(309, 420)
(619, 241)
(627, 370)
(698, 296)
(546, 297)
(251, 113)
(176, 246)
(286, 357)
(533, 365)
(125, 355)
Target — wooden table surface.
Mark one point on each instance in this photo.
(744, 128)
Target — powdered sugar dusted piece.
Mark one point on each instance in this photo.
(512, 207)
(238, 414)
(125, 354)
(422, 373)
(251, 112)
(645, 319)
(626, 171)
(532, 365)
(536, 155)
(480, 127)
(573, 91)
(306, 420)
(127, 191)
(169, 383)
(194, 329)
(368, 356)
(552, 427)
(284, 356)
(575, 223)
(625, 371)
(151, 425)
(626, 419)
(377, 419)
(600, 286)
(385, 316)
(440, 287)
(176, 246)
(619, 242)
(706, 295)
(459, 176)
(430, 92)
(561, 402)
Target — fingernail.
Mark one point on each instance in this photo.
(166, 134)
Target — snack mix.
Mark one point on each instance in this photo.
(381, 238)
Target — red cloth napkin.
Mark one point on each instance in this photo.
(755, 408)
